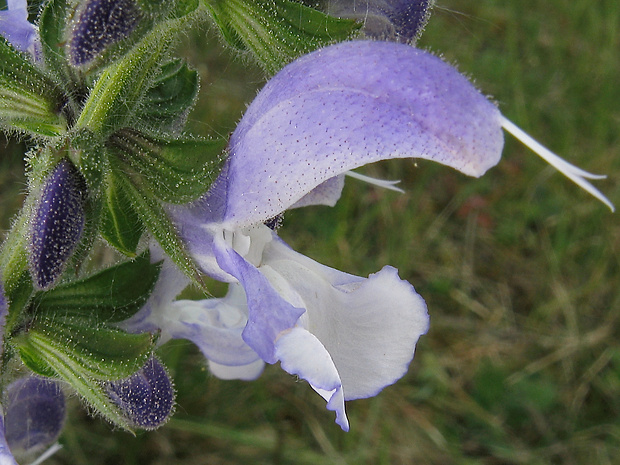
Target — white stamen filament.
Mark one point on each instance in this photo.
(47, 454)
(572, 172)
(391, 185)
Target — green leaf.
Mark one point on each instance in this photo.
(171, 97)
(118, 92)
(110, 296)
(157, 221)
(29, 101)
(278, 31)
(175, 170)
(120, 225)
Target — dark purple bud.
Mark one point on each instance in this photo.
(396, 20)
(146, 397)
(409, 18)
(99, 24)
(57, 223)
(34, 414)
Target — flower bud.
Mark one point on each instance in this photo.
(34, 414)
(146, 398)
(99, 24)
(396, 20)
(57, 223)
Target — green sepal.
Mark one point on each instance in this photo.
(51, 31)
(277, 31)
(19, 297)
(120, 224)
(70, 335)
(13, 256)
(119, 91)
(154, 7)
(44, 355)
(99, 352)
(111, 295)
(176, 170)
(88, 152)
(171, 97)
(156, 220)
(184, 7)
(52, 25)
(29, 101)
(167, 8)
(33, 359)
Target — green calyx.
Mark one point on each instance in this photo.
(277, 31)
(69, 332)
(30, 102)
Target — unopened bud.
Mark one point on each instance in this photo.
(57, 223)
(99, 24)
(146, 398)
(396, 20)
(34, 414)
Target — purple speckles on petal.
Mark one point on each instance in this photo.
(346, 106)
(57, 223)
(34, 413)
(99, 24)
(146, 397)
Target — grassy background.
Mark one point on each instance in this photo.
(520, 270)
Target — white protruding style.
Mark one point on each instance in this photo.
(572, 172)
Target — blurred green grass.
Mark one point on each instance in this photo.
(520, 270)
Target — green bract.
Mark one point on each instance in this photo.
(118, 93)
(69, 332)
(277, 31)
(29, 101)
(172, 168)
(120, 223)
(167, 102)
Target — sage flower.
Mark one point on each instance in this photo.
(325, 114)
